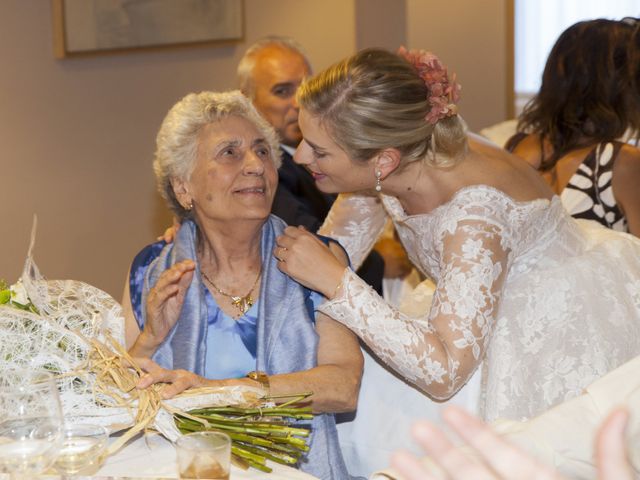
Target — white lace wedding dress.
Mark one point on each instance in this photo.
(549, 302)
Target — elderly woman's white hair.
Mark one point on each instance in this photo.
(176, 143)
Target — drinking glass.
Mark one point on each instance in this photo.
(82, 447)
(204, 455)
(30, 422)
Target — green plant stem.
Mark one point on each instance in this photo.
(257, 434)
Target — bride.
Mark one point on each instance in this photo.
(547, 304)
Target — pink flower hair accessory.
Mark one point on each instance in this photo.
(444, 93)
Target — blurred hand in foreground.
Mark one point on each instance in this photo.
(496, 459)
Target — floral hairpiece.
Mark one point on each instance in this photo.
(444, 93)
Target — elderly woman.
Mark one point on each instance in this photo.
(213, 305)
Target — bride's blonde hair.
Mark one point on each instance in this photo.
(376, 100)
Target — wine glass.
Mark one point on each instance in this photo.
(82, 447)
(30, 422)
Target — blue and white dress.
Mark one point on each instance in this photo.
(230, 342)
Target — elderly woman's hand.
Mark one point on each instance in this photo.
(164, 304)
(306, 259)
(176, 381)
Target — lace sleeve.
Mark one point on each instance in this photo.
(439, 351)
(355, 221)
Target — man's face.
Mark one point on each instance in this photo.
(277, 74)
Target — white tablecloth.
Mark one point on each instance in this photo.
(152, 456)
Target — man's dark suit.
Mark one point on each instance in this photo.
(299, 202)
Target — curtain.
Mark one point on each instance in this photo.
(538, 23)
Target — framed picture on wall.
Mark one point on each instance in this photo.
(93, 26)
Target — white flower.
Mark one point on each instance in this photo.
(472, 249)
(18, 293)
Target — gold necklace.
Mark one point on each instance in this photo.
(242, 303)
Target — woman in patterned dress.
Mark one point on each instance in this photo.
(569, 130)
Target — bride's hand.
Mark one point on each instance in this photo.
(304, 257)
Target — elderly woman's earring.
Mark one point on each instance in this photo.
(189, 206)
(378, 181)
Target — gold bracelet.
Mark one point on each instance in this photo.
(338, 287)
(262, 378)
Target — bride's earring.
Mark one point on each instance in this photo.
(378, 181)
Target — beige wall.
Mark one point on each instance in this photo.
(471, 39)
(77, 135)
(381, 23)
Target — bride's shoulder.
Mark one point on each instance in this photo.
(472, 197)
(486, 203)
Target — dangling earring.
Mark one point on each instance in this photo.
(433, 149)
(378, 181)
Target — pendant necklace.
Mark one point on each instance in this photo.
(241, 302)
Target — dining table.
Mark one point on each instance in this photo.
(151, 456)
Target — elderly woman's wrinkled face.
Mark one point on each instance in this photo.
(234, 177)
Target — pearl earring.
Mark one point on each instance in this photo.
(378, 181)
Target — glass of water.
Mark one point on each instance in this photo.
(30, 422)
(83, 446)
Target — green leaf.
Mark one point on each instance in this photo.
(5, 296)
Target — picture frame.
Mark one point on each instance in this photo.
(86, 27)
